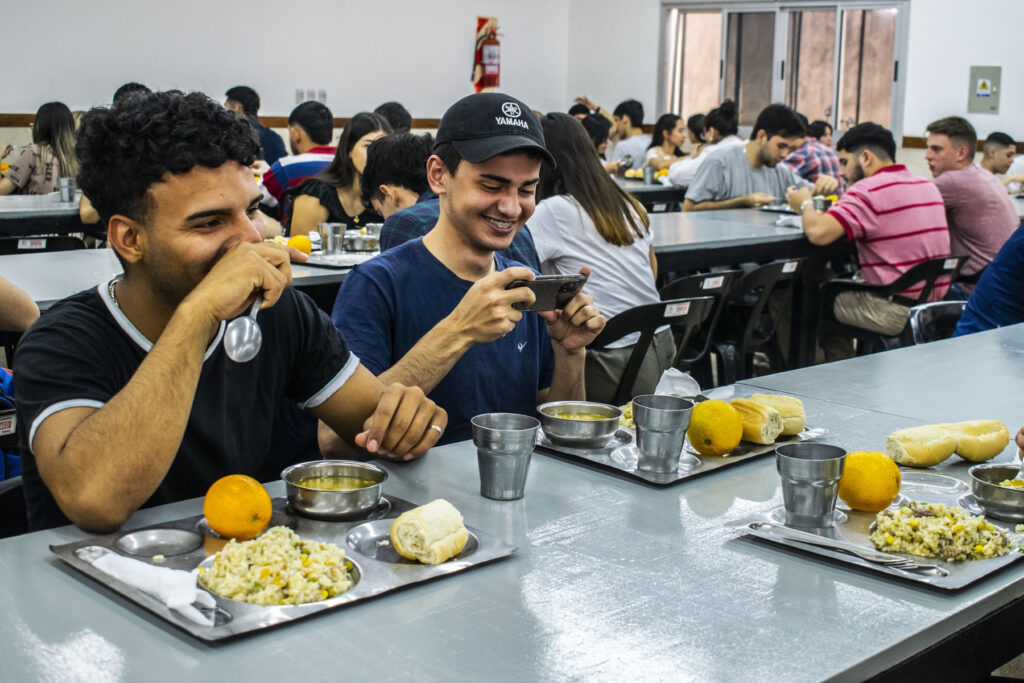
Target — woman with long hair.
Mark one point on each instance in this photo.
(720, 131)
(667, 141)
(584, 218)
(335, 195)
(51, 155)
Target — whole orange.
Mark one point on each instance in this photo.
(300, 242)
(237, 506)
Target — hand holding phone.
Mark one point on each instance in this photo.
(552, 291)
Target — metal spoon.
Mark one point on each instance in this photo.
(243, 337)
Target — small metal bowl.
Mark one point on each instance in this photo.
(564, 431)
(998, 501)
(355, 240)
(334, 505)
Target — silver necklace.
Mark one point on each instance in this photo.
(110, 289)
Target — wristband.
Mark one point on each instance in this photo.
(804, 204)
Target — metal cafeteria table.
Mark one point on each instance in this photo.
(49, 277)
(612, 580)
(40, 215)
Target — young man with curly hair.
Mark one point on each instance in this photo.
(126, 395)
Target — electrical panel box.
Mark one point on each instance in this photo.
(984, 89)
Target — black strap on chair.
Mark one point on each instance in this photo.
(34, 245)
(716, 285)
(646, 319)
(13, 511)
(935, 320)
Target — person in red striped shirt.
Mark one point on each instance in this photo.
(897, 219)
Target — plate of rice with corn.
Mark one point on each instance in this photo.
(936, 530)
(278, 568)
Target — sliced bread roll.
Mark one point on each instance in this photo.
(921, 446)
(761, 423)
(430, 534)
(790, 408)
(980, 440)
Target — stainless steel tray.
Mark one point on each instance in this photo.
(346, 260)
(619, 456)
(854, 529)
(380, 568)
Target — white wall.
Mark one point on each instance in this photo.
(363, 53)
(947, 37)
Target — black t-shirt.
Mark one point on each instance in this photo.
(84, 351)
(328, 198)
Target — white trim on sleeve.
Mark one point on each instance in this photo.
(56, 408)
(336, 383)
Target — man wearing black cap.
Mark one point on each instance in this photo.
(436, 310)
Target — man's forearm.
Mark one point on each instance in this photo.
(114, 460)
(708, 205)
(427, 363)
(567, 380)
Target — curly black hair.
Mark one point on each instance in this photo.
(124, 150)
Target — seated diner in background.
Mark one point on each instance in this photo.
(310, 129)
(631, 142)
(585, 220)
(245, 102)
(979, 213)
(821, 131)
(335, 195)
(752, 175)
(895, 218)
(666, 143)
(436, 312)
(395, 174)
(814, 159)
(125, 392)
(599, 128)
(997, 155)
(38, 166)
(996, 300)
(720, 128)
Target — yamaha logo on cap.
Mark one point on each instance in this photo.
(511, 112)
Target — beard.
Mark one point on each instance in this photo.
(856, 173)
(766, 159)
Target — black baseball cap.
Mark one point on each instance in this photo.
(487, 124)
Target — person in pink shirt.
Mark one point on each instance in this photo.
(896, 219)
(980, 214)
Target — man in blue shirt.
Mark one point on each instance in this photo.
(996, 300)
(435, 310)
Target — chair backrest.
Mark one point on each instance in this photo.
(926, 273)
(646, 319)
(34, 245)
(762, 281)
(13, 511)
(717, 285)
(935, 320)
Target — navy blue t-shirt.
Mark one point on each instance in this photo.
(997, 299)
(387, 304)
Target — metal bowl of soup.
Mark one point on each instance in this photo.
(334, 489)
(1002, 502)
(580, 424)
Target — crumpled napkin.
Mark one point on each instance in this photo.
(790, 222)
(676, 383)
(174, 587)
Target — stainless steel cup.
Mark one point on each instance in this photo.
(649, 172)
(810, 475)
(66, 188)
(661, 423)
(504, 444)
(331, 237)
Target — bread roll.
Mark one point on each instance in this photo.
(431, 533)
(921, 446)
(790, 408)
(980, 440)
(761, 423)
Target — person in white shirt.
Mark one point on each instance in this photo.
(584, 218)
(628, 121)
(669, 136)
(720, 128)
(998, 158)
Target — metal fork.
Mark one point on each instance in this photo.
(875, 557)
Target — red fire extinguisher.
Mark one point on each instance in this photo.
(490, 58)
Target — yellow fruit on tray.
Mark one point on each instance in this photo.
(870, 481)
(715, 427)
(237, 506)
(301, 242)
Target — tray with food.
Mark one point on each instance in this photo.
(720, 433)
(346, 260)
(903, 524)
(317, 553)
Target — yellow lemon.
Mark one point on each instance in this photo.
(301, 242)
(715, 427)
(870, 481)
